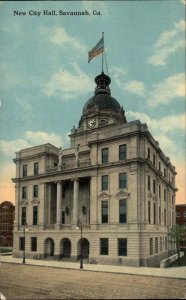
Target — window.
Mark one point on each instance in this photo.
(159, 166)
(122, 152)
(159, 191)
(159, 215)
(104, 182)
(24, 192)
(149, 208)
(21, 243)
(63, 217)
(148, 183)
(35, 191)
(23, 215)
(122, 211)
(36, 168)
(172, 200)
(156, 245)
(165, 243)
(24, 170)
(154, 160)
(151, 246)
(122, 180)
(184, 214)
(165, 195)
(122, 247)
(104, 246)
(33, 244)
(165, 174)
(154, 186)
(35, 215)
(148, 153)
(104, 211)
(104, 155)
(160, 244)
(165, 216)
(154, 213)
(178, 214)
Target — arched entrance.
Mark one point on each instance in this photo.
(65, 247)
(49, 247)
(85, 248)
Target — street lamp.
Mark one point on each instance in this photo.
(25, 228)
(79, 225)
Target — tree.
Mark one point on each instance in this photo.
(177, 235)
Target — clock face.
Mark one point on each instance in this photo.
(91, 123)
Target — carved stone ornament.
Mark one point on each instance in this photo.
(104, 195)
(24, 202)
(154, 197)
(122, 193)
(35, 201)
(149, 195)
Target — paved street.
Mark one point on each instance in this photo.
(19, 281)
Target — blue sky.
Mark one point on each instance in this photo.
(46, 78)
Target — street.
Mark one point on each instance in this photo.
(34, 282)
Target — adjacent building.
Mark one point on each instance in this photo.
(6, 223)
(181, 214)
(114, 178)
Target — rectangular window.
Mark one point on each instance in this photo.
(104, 182)
(122, 247)
(35, 191)
(165, 243)
(154, 160)
(104, 246)
(165, 174)
(122, 152)
(159, 215)
(104, 155)
(148, 183)
(24, 170)
(21, 243)
(151, 246)
(63, 217)
(172, 200)
(156, 245)
(159, 166)
(24, 192)
(154, 186)
(159, 191)
(165, 195)
(122, 211)
(104, 212)
(148, 153)
(154, 213)
(33, 244)
(160, 244)
(36, 168)
(23, 215)
(149, 215)
(35, 215)
(122, 180)
(177, 214)
(165, 217)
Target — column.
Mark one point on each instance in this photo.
(59, 198)
(93, 203)
(41, 206)
(75, 201)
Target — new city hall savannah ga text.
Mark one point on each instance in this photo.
(114, 179)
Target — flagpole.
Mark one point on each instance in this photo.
(103, 51)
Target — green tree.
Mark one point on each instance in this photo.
(177, 235)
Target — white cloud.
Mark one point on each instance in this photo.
(69, 84)
(59, 36)
(168, 43)
(30, 139)
(165, 92)
(135, 87)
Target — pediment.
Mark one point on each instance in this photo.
(35, 201)
(104, 195)
(122, 193)
(24, 202)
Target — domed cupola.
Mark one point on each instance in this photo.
(102, 106)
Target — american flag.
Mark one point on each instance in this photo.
(97, 50)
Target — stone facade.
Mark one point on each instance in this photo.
(114, 179)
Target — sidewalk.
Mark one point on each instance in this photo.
(171, 272)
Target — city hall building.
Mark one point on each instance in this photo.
(114, 179)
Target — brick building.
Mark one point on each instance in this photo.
(181, 214)
(114, 178)
(6, 223)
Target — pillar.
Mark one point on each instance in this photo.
(59, 198)
(75, 201)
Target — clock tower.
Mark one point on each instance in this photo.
(101, 110)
